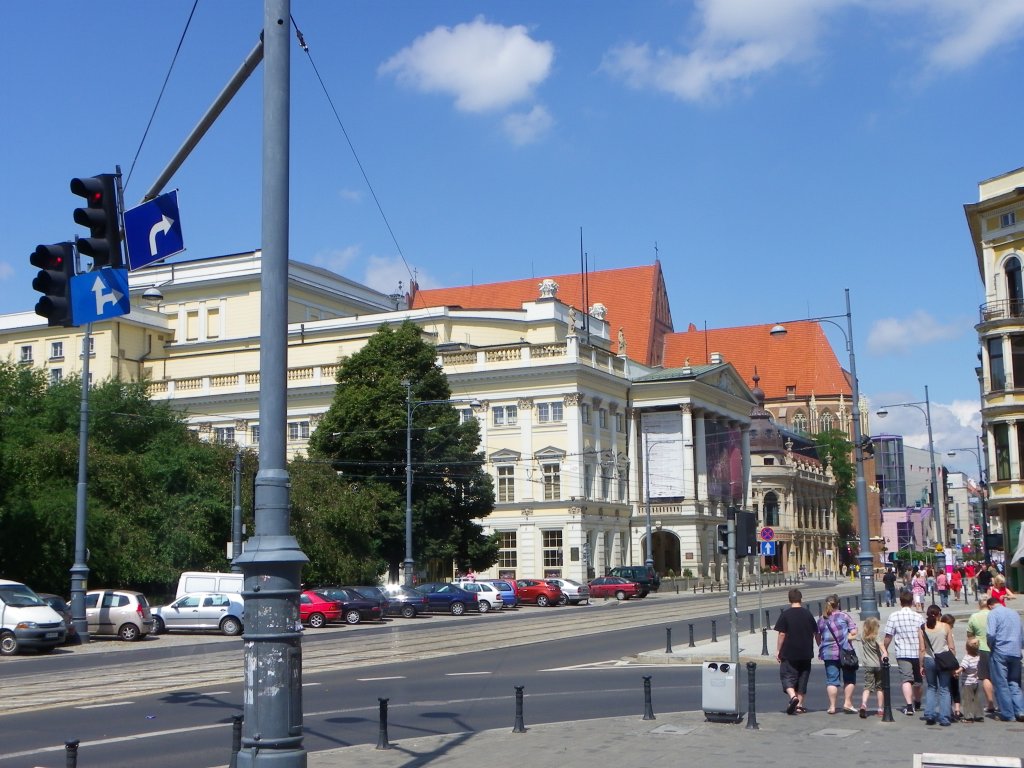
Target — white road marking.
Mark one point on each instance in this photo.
(464, 674)
(375, 679)
(101, 706)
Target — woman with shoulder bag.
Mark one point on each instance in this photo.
(835, 630)
(937, 652)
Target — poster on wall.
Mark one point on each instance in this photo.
(725, 461)
(662, 445)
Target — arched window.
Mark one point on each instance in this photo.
(828, 422)
(800, 421)
(1014, 287)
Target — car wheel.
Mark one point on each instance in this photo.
(483, 605)
(409, 611)
(458, 609)
(158, 626)
(620, 595)
(317, 620)
(563, 600)
(8, 644)
(542, 601)
(129, 633)
(352, 617)
(231, 626)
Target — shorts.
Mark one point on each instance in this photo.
(910, 670)
(795, 674)
(872, 679)
(836, 674)
(983, 660)
(918, 599)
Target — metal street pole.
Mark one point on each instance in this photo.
(938, 505)
(80, 569)
(272, 563)
(649, 561)
(984, 504)
(236, 512)
(734, 637)
(408, 564)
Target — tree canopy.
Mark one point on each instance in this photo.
(363, 436)
(834, 446)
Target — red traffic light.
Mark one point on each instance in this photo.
(50, 257)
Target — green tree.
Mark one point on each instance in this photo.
(836, 447)
(364, 435)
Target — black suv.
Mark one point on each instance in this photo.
(644, 575)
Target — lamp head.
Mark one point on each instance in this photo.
(153, 294)
(777, 330)
(882, 413)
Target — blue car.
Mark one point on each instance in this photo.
(448, 598)
(508, 593)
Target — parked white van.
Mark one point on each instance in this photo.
(202, 581)
(26, 621)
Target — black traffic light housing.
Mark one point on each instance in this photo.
(746, 533)
(723, 539)
(56, 265)
(101, 216)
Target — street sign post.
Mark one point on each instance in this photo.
(99, 295)
(152, 231)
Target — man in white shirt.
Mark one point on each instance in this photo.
(901, 629)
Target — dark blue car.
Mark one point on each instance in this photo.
(448, 598)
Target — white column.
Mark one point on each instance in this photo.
(572, 472)
(1004, 340)
(689, 481)
(1014, 453)
(700, 446)
(526, 474)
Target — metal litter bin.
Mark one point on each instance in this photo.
(720, 691)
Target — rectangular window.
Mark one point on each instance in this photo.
(254, 434)
(213, 323)
(584, 413)
(506, 483)
(996, 369)
(92, 346)
(505, 415)
(1001, 435)
(56, 350)
(548, 412)
(56, 375)
(26, 354)
(192, 325)
(465, 415)
(791, 392)
(507, 549)
(224, 434)
(602, 418)
(1007, 219)
(1017, 351)
(552, 548)
(620, 423)
(298, 430)
(552, 481)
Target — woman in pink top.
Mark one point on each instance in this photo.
(919, 585)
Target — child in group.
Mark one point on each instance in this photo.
(969, 683)
(871, 656)
(954, 679)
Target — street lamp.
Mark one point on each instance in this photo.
(941, 562)
(410, 406)
(981, 495)
(868, 600)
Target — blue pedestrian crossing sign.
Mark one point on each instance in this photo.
(99, 295)
(767, 548)
(152, 231)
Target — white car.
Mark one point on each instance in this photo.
(572, 591)
(201, 611)
(488, 597)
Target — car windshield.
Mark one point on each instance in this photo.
(19, 596)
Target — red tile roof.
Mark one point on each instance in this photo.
(635, 297)
(802, 358)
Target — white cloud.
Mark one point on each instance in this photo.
(527, 127)
(967, 31)
(384, 273)
(484, 66)
(336, 259)
(6, 271)
(954, 425)
(350, 195)
(894, 335)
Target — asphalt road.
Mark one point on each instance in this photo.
(170, 701)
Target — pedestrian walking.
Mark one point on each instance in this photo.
(889, 581)
(871, 655)
(969, 684)
(977, 629)
(901, 632)
(984, 580)
(954, 679)
(935, 639)
(794, 650)
(971, 574)
(999, 589)
(942, 587)
(1005, 639)
(835, 630)
(956, 583)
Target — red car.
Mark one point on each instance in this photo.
(316, 610)
(613, 586)
(538, 591)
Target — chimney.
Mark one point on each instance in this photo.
(716, 358)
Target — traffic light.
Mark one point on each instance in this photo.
(746, 533)
(723, 539)
(100, 215)
(56, 268)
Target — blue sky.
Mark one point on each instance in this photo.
(777, 152)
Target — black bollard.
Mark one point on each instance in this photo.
(677, 585)
(71, 753)
(382, 733)
(691, 636)
(668, 639)
(886, 695)
(752, 624)
(751, 696)
(767, 617)
(236, 739)
(714, 631)
(648, 709)
(519, 727)
(764, 641)
(933, 596)
(819, 608)
(856, 602)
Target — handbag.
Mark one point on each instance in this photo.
(847, 656)
(945, 660)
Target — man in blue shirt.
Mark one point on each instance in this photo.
(1005, 640)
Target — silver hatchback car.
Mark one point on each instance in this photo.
(201, 611)
(118, 612)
